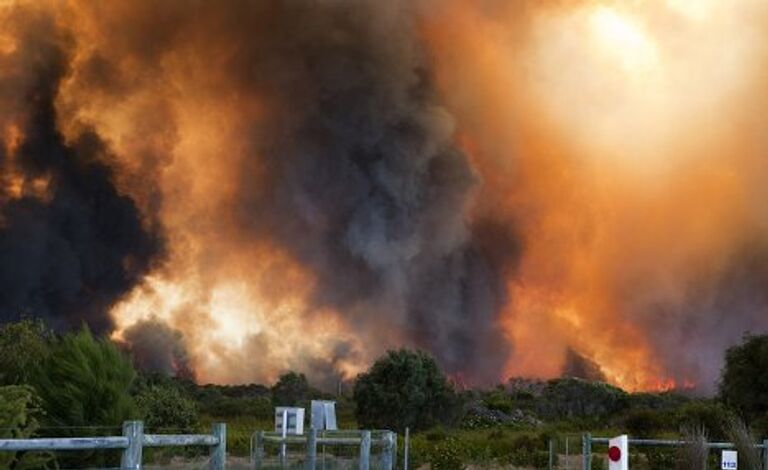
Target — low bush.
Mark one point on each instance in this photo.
(19, 417)
(166, 407)
(446, 455)
(713, 417)
(660, 458)
(645, 423)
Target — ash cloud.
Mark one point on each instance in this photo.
(69, 254)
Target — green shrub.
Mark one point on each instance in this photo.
(710, 415)
(446, 456)
(291, 389)
(227, 407)
(597, 463)
(531, 458)
(744, 384)
(436, 434)
(405, 389)
(166, 407)
(645, 423)
(498, 400)
(84, 381)
(474, 420)
(660, 458)
(577, 398)
(19, 417)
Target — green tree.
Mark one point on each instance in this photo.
(23, 345)
(166, 407)
(19, 418)
(744, 382)
(84, 381)
(291, 389)
(405, 389)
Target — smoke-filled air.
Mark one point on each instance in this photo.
(521, 188)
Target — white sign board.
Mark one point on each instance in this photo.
(324, 415)
(729, 460)
(618, 453)
(289, 420)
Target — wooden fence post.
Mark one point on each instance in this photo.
(219, 451)
(365, 450)
(131, 459)
(311, 449)
(586, 449)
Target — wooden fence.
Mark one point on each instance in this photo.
(364, 440)
(131, 442)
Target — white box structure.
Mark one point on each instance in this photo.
(324, 415)
(618, 453)
(289, 420)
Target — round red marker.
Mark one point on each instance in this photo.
(614, 453)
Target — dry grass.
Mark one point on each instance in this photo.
(740, 435)
(693, 456)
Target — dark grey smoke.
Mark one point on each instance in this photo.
(156, 347)
(70, 255)
(366, 185)
(325, 373)
(355, 173)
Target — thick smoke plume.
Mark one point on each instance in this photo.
(348, 167)
(520, 188)
(70, 244)
(365, 185)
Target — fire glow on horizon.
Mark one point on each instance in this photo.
(517, 179)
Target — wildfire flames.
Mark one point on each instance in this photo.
(247, 188)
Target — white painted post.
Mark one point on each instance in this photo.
(131, 459)
(551, 454)
(219, 451)
(407, 445)
(365, 450)
(393, 458)
(259, 454)
(586, 450)
(765, 454)
(284, 432)
(386, 455)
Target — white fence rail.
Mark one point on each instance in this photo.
(364, 440)
(131, 442)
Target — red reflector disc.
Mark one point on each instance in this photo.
(614, 453)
